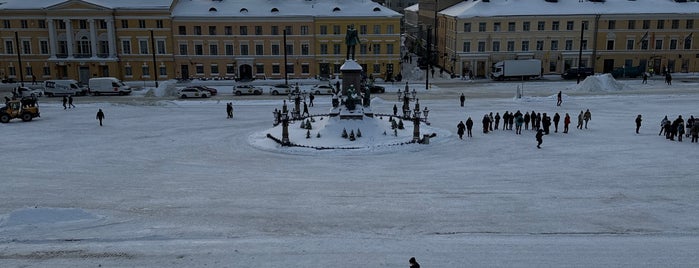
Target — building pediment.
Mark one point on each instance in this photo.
(75, 5)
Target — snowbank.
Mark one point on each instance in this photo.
(599, 83)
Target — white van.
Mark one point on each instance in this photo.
(63, 88)
(108, 85)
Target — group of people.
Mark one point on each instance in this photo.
(676, 128)
(539, 122)
(68, 102)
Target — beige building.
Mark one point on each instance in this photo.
(166, 39)
(655, 35)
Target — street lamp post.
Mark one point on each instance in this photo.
(155, 67)
(582, 31)
(286, 67)
(19, 59)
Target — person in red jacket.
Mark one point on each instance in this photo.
(566, 122)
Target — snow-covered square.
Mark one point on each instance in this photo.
(173, 183)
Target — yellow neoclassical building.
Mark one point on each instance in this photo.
(165, 39)
(654, 35)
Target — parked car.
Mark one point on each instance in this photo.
(377, 89)
(211, 90)
(281, 89)
(29, 92)
(572, 73)
(193, 92)
(246, 90)
(322, 89)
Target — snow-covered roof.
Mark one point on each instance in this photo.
(113, 4)
(494, 8)
(413, 8)
(267, 8)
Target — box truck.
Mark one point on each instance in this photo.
(63, 88)
(520, 69)
(108, 85)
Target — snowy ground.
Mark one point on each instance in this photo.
(170, 183)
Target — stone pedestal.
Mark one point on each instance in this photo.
(351, 75)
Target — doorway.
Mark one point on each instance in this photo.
(608, 66)
(84, 74)
(184, 72)
(245, 72)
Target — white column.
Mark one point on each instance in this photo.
(52, 38)
(112, 38)
(69, 37)
(93, 38)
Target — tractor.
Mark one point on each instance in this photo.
(25, 109)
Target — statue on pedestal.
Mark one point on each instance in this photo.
(351, 40)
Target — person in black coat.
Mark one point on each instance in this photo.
(546, 123)
(462, 99)
(497, 120)
(486, 123)
(395, 110)
(539, 138)
(65, 102)
(100, 116)
(556, 119)
(469, 127)
(638, 123)
(460, 129)
(413, 263)
(526, 120)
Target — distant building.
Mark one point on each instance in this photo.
(655, 35)
(80, 39)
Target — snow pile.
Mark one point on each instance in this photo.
(35, 216)
(600, 83)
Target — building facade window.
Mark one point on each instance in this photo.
(159, 24)
(541, 26)
(611, 25)
(160, 45)
(184, 49)
(389, 49)
(631, 24)
(214, 69)
(481, 27)
(276, 49)
(229, 49)
(377, 29)
(243, 30)
(496, 46)
(141, 24)
(336, 29)
(555, 26)
(213, 49)
(212, 30)
(630, 44)
(570, 25)
(228, 30)
(646, 24)
(323, 29)
(126, 46)
(511, 26)
(259, 49)
(275, 30)
(673, 44)
(526, 26)
(675, 24)
(145, 70)
(305, 49)
(466, 47)
(569, 45)
(198, 49)
(182, 30)
(660, 24)
(539, 45)
(128, 71)
(197, 30)
(377, 49)
(658, 44)
(323, 49)
(304, 30)
(525, 45)
(554, 44)
(244, 49)
(690, 24)
(143, 46)
(23, 24)
(496, 27)
(258, 30)
(389, 29)
(44, 47)
(610, 44)
(125, 24)
(510, 46)
(467, 27)
(481, 46)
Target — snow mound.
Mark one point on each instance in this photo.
(35, 216)
(600, 83)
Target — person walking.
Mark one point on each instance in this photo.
(460, 128)
(311, 97)
(395, 110)
(519, 119)
(100, 116)
(546, 123)
(560, 98)
(65, 102)
(638, 123)
(462, 99)
(229, 110)
(469, 127)
(566, 123)
(33, 79)
(663, 124)
(539, 138)
(70, 102)
(556, 119)
(580, 120)
(587, 117)
(490, 119)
